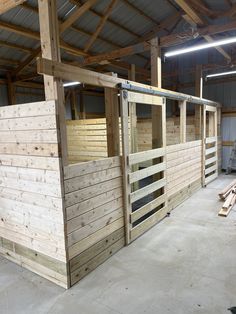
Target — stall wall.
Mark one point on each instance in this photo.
(31, 198)
(94, 213)
(87, 139)
(184, 171)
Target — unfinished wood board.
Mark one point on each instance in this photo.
(31, 208)
(94, 212)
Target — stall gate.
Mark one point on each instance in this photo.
(210, 145)
(144, 189)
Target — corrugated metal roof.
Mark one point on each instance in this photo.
(124, 26)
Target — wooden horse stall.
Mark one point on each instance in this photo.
(108, 197)
(31, 196)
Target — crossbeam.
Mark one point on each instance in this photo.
(73, 73)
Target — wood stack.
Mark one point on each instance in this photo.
(228, 195)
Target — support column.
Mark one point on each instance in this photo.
(112, 121)
(49, 34)
(158, 124)
(133, 126)
(82, 113)
(11, 91)
(74, 103)
(156, 81)
(182, 107)
(198, 108)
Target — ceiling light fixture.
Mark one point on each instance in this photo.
(221, 74)
(71, 84)
(200, 47)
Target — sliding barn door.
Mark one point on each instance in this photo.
(210, 145)
(144, 172)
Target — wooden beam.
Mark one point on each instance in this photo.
(49, 32)
(156, 74)
(201, 7)
(112, 120)
(158, 112)
(15, 46)
(7, 5)
(198, 109)
(141, 12)
(183, 112)
(133, 115)
(73, 73)
(100, 25)
(111, 21)
(133, 126)
(19, 30)
(82, 111)
(22, 31)
(182, 37)
(199, 21)
(74, 104)
(166, 23)
(122, 52)
(198, 81)
(125, 164)
(76, 14)
(190, 12)
(28, 60)
(11, 91)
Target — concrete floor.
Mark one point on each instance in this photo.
(186, 264)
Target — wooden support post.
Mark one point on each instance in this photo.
(158, 123)
(11, 91)
(198, 108)
(133, 126)
(133, 115)
(156, 81)
(126, 167)
(218, 121)
(112, 120)
(182, 106)
(74, 103)
(49, 34)
(82, 112)
(203, 144)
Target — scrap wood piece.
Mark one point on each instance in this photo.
(228, 205)
(225, 192)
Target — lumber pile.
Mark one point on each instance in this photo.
(228, 195)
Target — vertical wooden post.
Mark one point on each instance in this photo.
(133, 116)
(203, 144)
(11, 91)
(74, 103)
(112, 121)
(126, 167)
(49, 34)
(82, 112)
(156, 81)
(198, 108)
(158, 122)
(182, 106)
(133, 126)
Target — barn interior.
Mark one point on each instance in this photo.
(117, 156)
